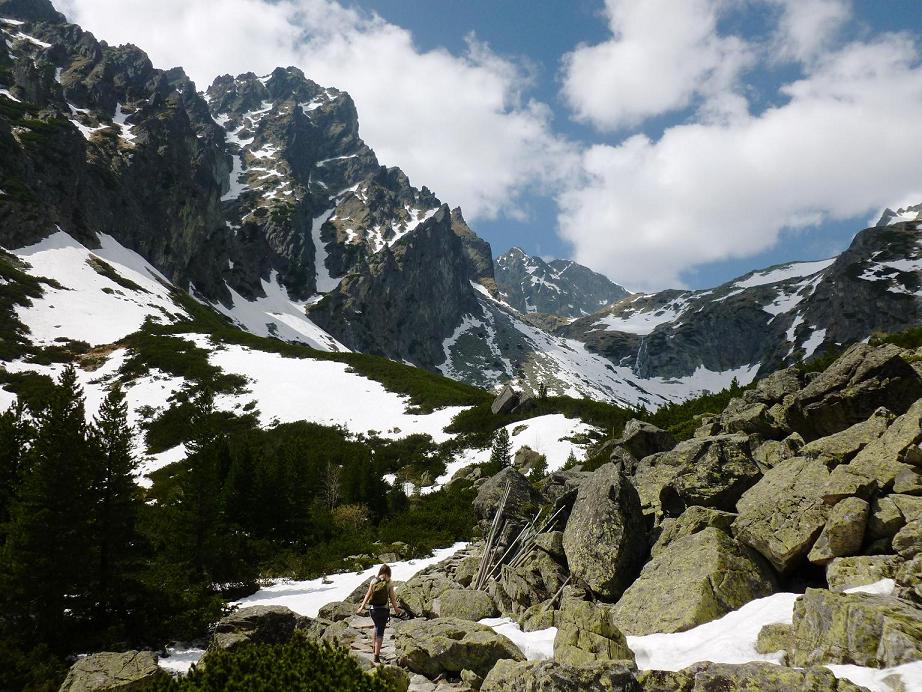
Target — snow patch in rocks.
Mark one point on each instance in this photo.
(536, 646)
(325, 282)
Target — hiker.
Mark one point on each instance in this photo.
(379, 592)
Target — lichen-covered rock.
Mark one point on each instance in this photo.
(467, 569)
(859, 628)
(341, 633)
(757, 676)
(257, 625)
(751, 419)
(847, 572)
(908, 540)
(860, 381)
(845, 482)
(715, 473)
(843, 533)
(553, 676)
(909, 580)
(417, 596)
(551, 542)
(605, 539)
(465, 604)
(908, 480)
(772, 452)
(396, 677)
(642, 439)
(587, 632)
(692, 520)
(782, 515)
(894, 452)
(694, 580)
(841, 447)
(337, 610)
(774, 637)
(540, 616)
(450, 645)
(131, 670)
(891, 513)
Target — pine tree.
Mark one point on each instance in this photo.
(49, 550)
(501, 455)
(15, 438)
(117, 499)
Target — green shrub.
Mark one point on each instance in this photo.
(300, 665)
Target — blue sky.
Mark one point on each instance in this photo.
(540, 33)
(665, 143)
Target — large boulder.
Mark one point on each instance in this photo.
(257, 625)
(131, 670)
(782, 515)
(419, 594)
(553, 676)
(715, 472)
(505, 401)
(560, 487)
(642, 439)
(896, 452)
(757, 676)
(605, 539)
(842, 446)
(843, 533)
(449, 645)
(857, 628)
(522, 502)
(692, 520)
(909, 580)
(751, 419)
(859, 570)
(861, 380)
(772, 452)
(694, 580)
(587, 632)
(465, 604)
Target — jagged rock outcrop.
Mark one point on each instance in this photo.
(559, 287)
(694, 580)
(386, 306)
(605, 539)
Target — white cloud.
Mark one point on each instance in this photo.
(459, 124)
(662, 55)
(806, 28)
(848, 139)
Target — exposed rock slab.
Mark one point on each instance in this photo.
(747, 677)
(553, 676)
(587, 632)
(131, 670)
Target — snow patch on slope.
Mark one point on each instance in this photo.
(784, 272)
(92, 307)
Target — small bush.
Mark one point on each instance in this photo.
(300, 665)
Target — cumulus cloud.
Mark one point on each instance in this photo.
(663, 54)
(460, 124)
(844, 139)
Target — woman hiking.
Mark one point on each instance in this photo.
(379, 592)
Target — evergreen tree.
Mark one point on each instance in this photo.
(15, 437)
(49, 552)
(501, 455)
(117, 500)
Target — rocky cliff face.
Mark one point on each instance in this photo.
(559, 287)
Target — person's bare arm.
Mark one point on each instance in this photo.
(393, 595)
(366, 599)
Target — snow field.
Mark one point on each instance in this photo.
(92, 308)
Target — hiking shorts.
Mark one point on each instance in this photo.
(380, 615)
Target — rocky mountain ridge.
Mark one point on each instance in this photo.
(558, 287)
(260, 198)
